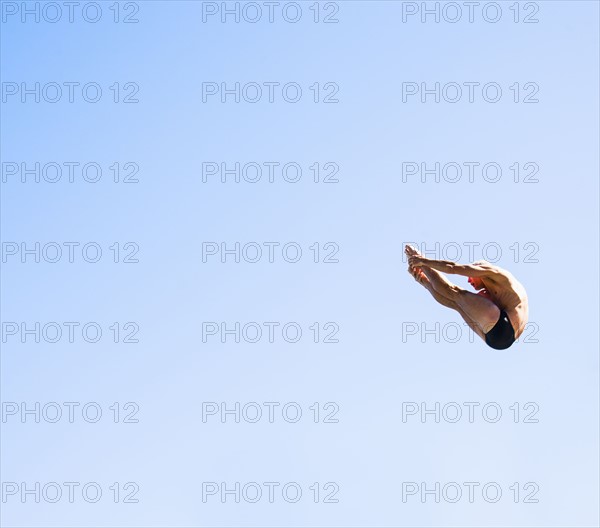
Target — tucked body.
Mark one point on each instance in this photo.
(497, 313)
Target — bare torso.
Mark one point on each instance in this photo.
(509, 295)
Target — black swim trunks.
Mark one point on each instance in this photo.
(502, 335)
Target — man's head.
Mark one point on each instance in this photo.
(476, 282)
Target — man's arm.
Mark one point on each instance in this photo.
(447, 266)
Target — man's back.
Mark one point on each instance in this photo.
(509, 295)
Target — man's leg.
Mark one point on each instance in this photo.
(440, 283)
(422, 279)
(482, 312)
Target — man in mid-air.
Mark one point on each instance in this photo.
(497, 313)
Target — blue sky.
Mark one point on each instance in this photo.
(546, 230)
